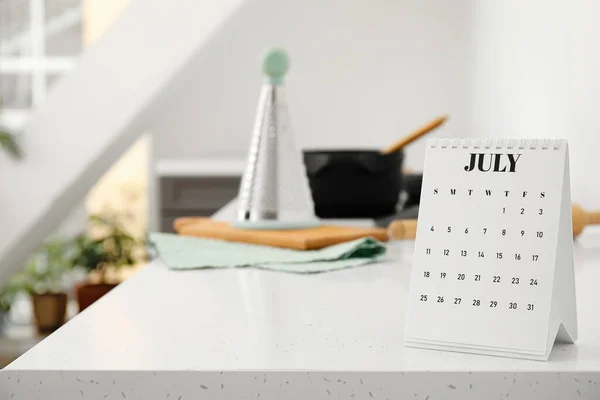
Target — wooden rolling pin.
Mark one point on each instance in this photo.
(402, 229)
(582, 218)
(425, 129)
(407, 229)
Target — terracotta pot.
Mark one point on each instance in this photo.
(49, 310)
(88, 293)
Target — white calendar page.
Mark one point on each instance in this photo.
(486, 247)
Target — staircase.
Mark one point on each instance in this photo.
(95, 113)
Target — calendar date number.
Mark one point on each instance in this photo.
(484, 231)
(479, 302)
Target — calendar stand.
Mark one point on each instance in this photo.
(564, 310)
(494, 249)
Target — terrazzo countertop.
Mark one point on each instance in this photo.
(249, 334)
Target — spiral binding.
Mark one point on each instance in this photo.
(497, 144)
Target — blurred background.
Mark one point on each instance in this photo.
(130, 114)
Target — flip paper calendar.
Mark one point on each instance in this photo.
(493, 262)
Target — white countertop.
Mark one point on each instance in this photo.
(209, 321)
(251, 319)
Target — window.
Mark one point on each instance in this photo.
(39, 42)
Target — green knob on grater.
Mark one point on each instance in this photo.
(275, 65)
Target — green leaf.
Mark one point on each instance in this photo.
(45, 269)
(9, 143)
(111, 245)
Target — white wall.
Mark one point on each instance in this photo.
(363, 73)
(536, 73)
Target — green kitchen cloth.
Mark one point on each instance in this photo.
(184, 252)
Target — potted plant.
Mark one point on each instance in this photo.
(105, 248)
(43, 279)
(8, 142)
(7, 297)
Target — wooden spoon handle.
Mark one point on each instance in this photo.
(425, 129)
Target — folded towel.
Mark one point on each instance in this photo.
(184, 252)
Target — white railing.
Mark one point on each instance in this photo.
(32, 59)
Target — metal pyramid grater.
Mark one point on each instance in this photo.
(274, 191)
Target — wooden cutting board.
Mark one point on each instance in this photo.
(301, 239)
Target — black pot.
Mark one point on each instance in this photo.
(354, 183)
(412, 187)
